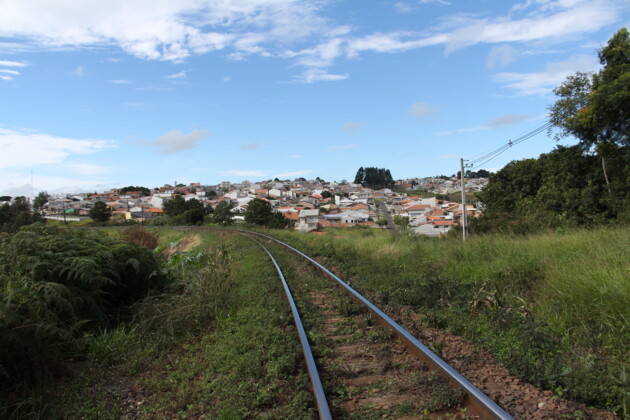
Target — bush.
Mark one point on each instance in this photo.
(56, 286)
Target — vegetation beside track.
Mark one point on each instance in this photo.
(217, 339)
(552, 307)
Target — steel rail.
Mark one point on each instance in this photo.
(479, 401)
(318, 389)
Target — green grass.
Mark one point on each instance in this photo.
(240, 360)
(553, 307)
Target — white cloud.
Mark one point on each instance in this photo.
(501, 55)
(163, 29)
(175, 141)
(78, 71)
(422, 109)
(13, 63)
(295, 30)
(120, 81)
(86, 169)
(180, 75)
(296, 156)
(25, 148)
(249, 146)
(352, 127)
(542, 83)
(501, 121)
(318, 75)
(19, 184)
(341, 148)
(509, 119)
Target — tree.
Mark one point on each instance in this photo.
(100, 212)
(374, 178)
(326, 194)
(595, 107)
(223, 213)
(41, 199)
(258, 212)
(175, 206)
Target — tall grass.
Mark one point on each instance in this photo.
(555, 308)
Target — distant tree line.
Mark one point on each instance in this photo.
(375, 178)
(145, 191)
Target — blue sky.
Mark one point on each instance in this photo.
(101, 94)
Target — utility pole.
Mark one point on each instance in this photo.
(464, 216)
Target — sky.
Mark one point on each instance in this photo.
(98, 94)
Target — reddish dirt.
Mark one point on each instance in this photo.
(367, 374)
(518, 398)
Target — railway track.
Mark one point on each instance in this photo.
(370, 365)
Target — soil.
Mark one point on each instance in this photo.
(368, 374)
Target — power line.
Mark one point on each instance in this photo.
(482, 160)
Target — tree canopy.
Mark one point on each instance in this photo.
(259, 212)
(223, 213)
(145, 191)
(561, 187)
(375, 178)
(16, 214)
(189, 212)
(100, 212)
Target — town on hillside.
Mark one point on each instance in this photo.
(309, 205)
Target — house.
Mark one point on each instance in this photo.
(346, 217)
(307, 220)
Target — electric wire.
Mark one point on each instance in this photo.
(482, 160)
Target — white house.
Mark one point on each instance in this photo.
(308, 220)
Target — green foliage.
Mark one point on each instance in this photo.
(259, 212)
(561, 188)
(187, 212)
(595, 108)
(41, 199)
(100, 212)
(223, 213)
(374, 178)
(54, 287)
(144, 190)
(240, 360)
(16, 214)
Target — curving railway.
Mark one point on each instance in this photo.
(374, 371)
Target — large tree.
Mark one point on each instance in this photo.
(595, 107)
(41, 199)
(259, 212)
(223, 213)
(100, 212)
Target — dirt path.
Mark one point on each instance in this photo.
(368, 374)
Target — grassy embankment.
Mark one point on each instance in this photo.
(218, 341)
(554, 308)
